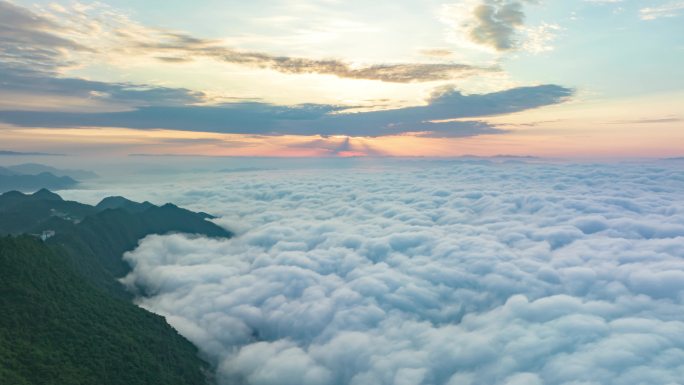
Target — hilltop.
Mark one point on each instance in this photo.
(68, 320)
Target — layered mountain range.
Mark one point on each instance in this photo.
(33, 176)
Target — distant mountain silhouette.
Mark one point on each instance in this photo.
(17, 153)
(35, 168)
(11, 180)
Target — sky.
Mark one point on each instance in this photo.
(590, 78)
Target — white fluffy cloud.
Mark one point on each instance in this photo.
(430, 273)
(497, 25)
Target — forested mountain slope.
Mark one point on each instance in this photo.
(66, 319)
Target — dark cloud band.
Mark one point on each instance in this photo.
(312, 119)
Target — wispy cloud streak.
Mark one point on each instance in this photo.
(42, 42)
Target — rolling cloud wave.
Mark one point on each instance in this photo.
(449, 273)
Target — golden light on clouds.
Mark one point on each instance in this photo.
(286, 70)
(551, 132)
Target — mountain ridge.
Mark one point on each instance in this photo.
(10, 180)
(71, 321)
(37, 168)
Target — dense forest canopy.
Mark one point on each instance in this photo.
(67, 320)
